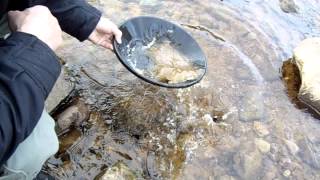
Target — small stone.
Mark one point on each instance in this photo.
(262, 145)
(260, 129)
(286, 173)
(293, 147)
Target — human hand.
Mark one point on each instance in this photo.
(104, 33)
(39, 22)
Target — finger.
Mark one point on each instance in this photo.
(13, 14)
(118, 34)
(107, 45)
(14, 18)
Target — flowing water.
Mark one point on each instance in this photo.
(237, 123)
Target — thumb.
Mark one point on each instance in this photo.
(14, 18)
(118, 34)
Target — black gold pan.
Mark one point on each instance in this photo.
(139, 31)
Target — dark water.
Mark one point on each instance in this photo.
(237, 123)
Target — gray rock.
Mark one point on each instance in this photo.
(288, 6)
(60, 91)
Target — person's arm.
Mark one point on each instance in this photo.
(77, 18)
(28, 71)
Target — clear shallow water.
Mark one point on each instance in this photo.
(238, 123)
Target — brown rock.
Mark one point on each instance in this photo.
(72, 116)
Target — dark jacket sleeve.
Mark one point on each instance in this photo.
(28, 71)
(76, 17)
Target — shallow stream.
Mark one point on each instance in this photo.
(237, 123)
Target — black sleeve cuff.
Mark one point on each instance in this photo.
(93, 17)
(76, 17)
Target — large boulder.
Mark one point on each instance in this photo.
(307, 58)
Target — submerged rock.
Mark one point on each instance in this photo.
(73, 115)
(262, 145)
(307, 58)
(67, 140)
(292, 146)
(288, 6)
